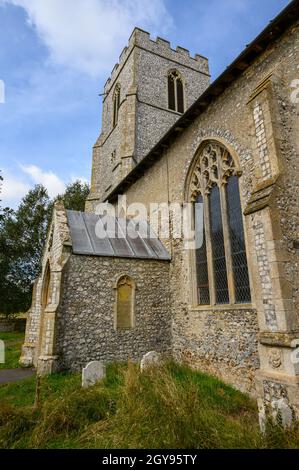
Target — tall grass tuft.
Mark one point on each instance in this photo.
(171, 406)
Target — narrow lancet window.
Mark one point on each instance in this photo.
(116, 104)
(175, 92)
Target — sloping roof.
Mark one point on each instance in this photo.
(272, 32)
(133, 240)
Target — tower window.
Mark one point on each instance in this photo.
(175, 92)
(116, 104)
(221, 261)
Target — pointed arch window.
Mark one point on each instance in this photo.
(125, 303)
(45, 298)
(221, 261)
(175, 92)
(116, 104)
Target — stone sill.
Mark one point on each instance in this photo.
(278, 338)
(226, 307)
(263, 374)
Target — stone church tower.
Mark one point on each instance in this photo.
(138, 106)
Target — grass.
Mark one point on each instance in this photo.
(171, 407)
(13, 343)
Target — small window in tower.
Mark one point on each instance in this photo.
(180, 95)
(175, 92)
(116, 104)
(171, 93)
(125, 300)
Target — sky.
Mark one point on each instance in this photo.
(55, 56)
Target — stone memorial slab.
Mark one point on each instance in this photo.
(150, 359)
(93, 373)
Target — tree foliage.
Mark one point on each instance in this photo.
(22, 237)
(75, 196)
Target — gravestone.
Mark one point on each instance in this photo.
(150, 359)
(93, 373)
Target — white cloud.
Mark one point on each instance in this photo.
(82, 179)
(15, 187)
(52, 182)
(89, 34)
(13, 190)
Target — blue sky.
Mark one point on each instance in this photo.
(55, 56)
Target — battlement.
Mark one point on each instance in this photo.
(161, 47)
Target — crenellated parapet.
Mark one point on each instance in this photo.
(161, 47)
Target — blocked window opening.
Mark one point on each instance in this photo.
(125, 303)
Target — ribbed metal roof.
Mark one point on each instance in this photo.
(123, 238)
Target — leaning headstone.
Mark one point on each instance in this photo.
(151, 359)
(282, 412)
(93, 373)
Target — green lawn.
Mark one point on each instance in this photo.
(171, 407)
(13, 344)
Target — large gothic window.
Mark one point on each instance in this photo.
(175, 92)
(221, 262)
(116, 104)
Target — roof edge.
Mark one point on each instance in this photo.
(272, 32)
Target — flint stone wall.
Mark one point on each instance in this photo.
(85, 321)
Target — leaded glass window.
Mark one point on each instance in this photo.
(237, 239)
(201, 254)
(218, 250)
(175, 92)
(221, 261)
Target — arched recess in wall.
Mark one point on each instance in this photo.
(46, 287)
(219, 268)
(45, 298)
(176, 91)
(125, 303)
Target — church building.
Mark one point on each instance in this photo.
(171, 138)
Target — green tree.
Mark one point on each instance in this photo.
(75, 196)
(22, 238)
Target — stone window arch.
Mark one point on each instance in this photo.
(45, 297)
(221, 268)
(125, 303)
(116, 104)
(176, 92)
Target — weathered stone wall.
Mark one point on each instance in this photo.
(40, 326)
(86, 324)
(221, 342)
(257, 121)
(144, 116)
